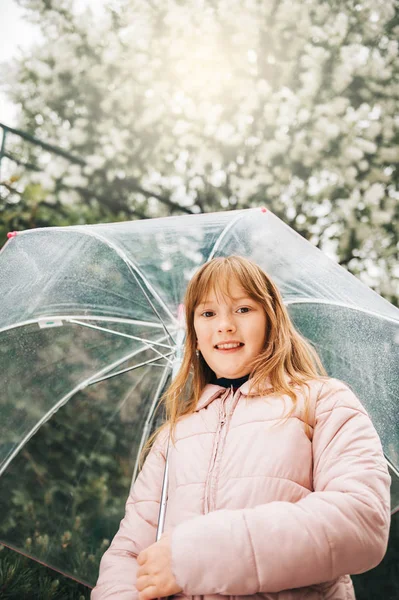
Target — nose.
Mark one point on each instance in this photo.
(226, 323)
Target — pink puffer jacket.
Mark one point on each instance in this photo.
(257, 509)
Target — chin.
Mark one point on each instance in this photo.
(232, 374)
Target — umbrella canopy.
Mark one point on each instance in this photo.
(90, 332)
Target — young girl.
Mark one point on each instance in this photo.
(278, 487)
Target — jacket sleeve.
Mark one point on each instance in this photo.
(118, 566)
(340, 528)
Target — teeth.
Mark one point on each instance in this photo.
(227, 346)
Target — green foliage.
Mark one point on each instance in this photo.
(21, 577)
(63, 496)
(383, 581)
(32, 209)
(14, 579)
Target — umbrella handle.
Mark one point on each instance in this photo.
(164, 497)
(164, 493)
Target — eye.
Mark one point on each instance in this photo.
(244, 309)
(207, 314)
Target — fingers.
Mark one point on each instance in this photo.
(143, 582)
(142, 557)
(143, 570)
(149, 593)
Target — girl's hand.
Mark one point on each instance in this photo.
(154, 575)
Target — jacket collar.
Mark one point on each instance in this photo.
(212, 391)
(209, 394)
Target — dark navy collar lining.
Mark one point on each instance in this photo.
(226, 382)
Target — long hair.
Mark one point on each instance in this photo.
(286, 361)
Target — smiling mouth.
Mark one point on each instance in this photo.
(229, 346)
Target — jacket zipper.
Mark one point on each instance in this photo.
(210, 488)
(220, 426)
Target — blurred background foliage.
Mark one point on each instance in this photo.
(179, 107)
(205, 105)
(65, 511)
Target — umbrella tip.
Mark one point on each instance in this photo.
(11, 234)
(263, 209)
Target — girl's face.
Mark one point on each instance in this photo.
(231, 331)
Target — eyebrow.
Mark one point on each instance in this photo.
(234, 300)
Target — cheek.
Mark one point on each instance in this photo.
(204, 338)
(259, 335)
(199, 333)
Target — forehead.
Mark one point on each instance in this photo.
(223, 291)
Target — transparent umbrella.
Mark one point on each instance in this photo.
(90, 336)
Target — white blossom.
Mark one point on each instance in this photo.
(353, 153)
(374, 194)
(390, 154)
(366, 145)
(222, 97)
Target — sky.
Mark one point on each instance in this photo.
(17, 35)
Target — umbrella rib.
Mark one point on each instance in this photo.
(148, 422)
(82, 318)
(394, 469)
(116, 363)
(341, 305)
(81, 386)
(132, 267)
(109, 420)
(223, 235)
(132, 368)
(150, 288)
(125, 335)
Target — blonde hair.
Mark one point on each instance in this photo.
(287, 360)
